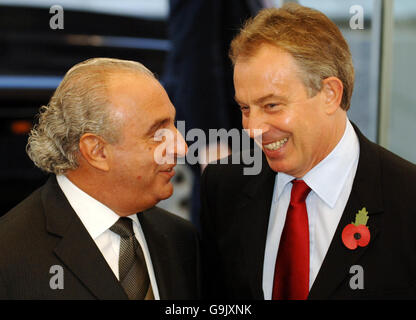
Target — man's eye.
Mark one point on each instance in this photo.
(272, 106)
(244, 108)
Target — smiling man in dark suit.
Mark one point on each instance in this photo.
(92, 231)
(330, 216)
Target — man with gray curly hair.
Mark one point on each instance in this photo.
(93, 231)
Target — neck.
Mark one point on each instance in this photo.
(95, 185)
(336, 131)
(332, 135)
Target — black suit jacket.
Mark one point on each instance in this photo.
(43, 231)
(235, 216)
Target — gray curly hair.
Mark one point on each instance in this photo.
(79, 105)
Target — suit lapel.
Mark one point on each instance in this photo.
(366, 192)
(254, 212)
(76, 249)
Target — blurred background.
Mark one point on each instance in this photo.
(185, 44)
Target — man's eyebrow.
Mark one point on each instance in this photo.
(261, 99)
(156, 125)
(159, 123)
(238, 101)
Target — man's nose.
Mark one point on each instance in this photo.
(180, 147)
(256, 125)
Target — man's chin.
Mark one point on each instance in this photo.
(166, 192)
(277, 166)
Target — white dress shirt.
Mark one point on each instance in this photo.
(98, 219)
(331, 183)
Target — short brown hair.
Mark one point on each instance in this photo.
(314, 41)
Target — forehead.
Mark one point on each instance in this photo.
(268, 69)
(129, 87)
(267, 61)
(138, 100)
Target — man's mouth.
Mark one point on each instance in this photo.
(169, 171)
(276, 144)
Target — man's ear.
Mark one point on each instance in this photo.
(94, 149)
(332, 89)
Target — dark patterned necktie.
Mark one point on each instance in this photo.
(133, 274)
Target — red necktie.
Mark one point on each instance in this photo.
(291, 275)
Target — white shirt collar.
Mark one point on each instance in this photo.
(328, 177)
(95, 216)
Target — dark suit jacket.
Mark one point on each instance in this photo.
(43, 231)
(235, 216)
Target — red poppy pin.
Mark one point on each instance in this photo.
(356, 233)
